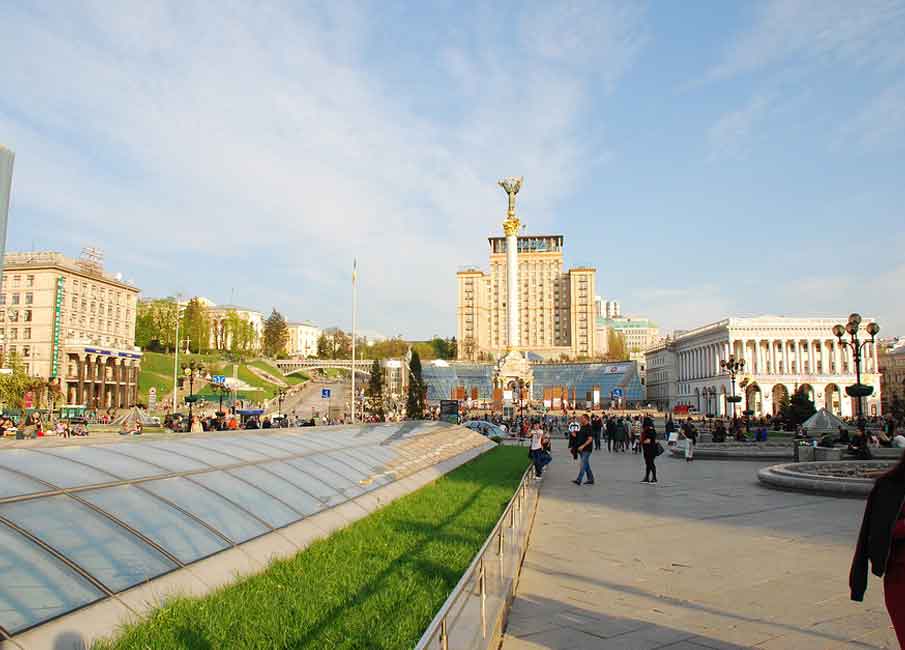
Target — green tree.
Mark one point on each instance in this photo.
(897, 408)
(424, 349)
(452, 348)
(196, 326)
(16, 384)
(800, 408)
(616, 350)
(324, 347)
(145, 325)
(342, 345)
(374, 392)
(276, 334)
(414, 403)
(155, 324)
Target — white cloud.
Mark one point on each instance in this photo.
(261, 139)
(880, 124)
(730, 136)
(827, 32)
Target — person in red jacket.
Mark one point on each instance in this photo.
(882, 543)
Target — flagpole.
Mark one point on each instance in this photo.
(354, 310)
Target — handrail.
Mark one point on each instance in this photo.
(476, 568)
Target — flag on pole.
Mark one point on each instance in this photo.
(354, 270)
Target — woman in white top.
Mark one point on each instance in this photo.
(539, 455)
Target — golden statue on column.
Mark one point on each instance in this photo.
(513, 370)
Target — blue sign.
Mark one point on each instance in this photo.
(218, 379)
(618, 392)
(325, 393)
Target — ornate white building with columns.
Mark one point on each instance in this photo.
(782, 355)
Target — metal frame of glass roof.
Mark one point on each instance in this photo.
(83, 522)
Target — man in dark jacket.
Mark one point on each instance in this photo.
(584, 445)
(875, 539)
(596, 428)
(610, 433)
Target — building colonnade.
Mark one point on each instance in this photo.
(101, 381)
(768, 356)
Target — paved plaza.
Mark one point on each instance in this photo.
(707, 558)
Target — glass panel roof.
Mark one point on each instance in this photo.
(179, 534)
(216, 512)
(278, 446)
(36, 585)
(52, 469)
(331, 466)
(119, 465)
(279, 487)
(144, 451)
(104, 549)
(303, 480)
(123, 502)
(346, 488)
(366, 467)
(14, 485)
(208, 456)
(228, 446)
(260, 445)
(274, 512)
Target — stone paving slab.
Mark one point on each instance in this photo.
(706, 559)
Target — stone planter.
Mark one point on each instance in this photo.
(827, 453)
(804, 453)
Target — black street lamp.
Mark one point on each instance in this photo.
(191, 370)
(280, 395)
(221, 390)
(733, 367)
(857, 390)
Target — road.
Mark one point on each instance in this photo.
(308, 401)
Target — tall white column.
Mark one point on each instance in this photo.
(512, 287)
(773, 369)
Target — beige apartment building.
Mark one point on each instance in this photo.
(68, 320)
(556, 307)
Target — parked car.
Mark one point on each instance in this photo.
(485, 428)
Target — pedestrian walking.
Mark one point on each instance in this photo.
(596, 430)
(882, 543)
(690, 434)
(584, 445)
(538, 453)
(651, 449)
(610, 432)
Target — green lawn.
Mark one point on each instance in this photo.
(375, 584)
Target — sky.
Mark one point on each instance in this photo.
(710, 159)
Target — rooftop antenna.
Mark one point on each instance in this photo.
(92, 260)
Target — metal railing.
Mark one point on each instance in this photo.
(475, 613)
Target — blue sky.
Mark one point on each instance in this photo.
(709, 158)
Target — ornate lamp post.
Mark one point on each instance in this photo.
(221, 389)
(190, 371)
(280, 395)
(733, 367)
(857, 390)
